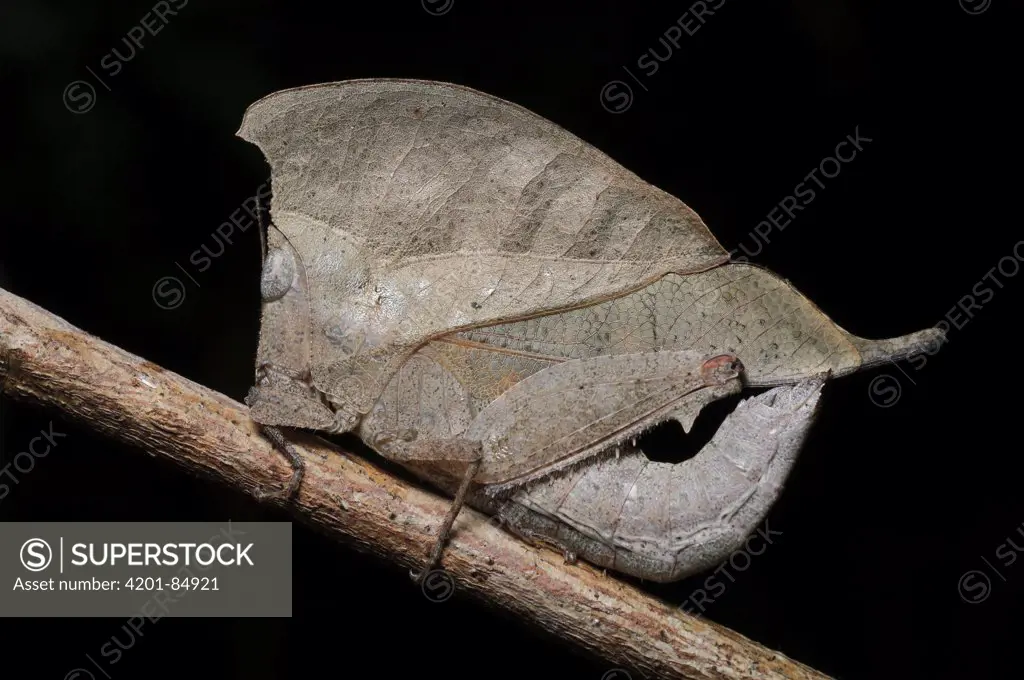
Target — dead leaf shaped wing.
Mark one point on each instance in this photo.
(779, 335)
(418, 208)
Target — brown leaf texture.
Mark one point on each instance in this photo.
(464, 283)
(417, 208)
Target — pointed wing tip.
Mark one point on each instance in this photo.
(242, 132)
(258, 114)
(875, 352)
(245, 128)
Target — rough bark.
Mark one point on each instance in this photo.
(45, 360)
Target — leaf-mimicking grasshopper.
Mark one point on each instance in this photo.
(501, 308)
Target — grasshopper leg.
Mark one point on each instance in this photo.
(449, 520)
(280, 442)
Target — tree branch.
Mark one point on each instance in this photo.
(46, 360)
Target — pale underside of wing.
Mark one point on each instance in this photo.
(664, 521)
(418, 208)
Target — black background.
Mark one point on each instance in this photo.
(887, 508)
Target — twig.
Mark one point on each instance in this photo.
(46, 360)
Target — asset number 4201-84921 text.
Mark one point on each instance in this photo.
(175, 583)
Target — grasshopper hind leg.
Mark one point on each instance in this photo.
(442, 460)
(449, 520)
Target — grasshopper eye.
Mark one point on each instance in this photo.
(278, 274)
